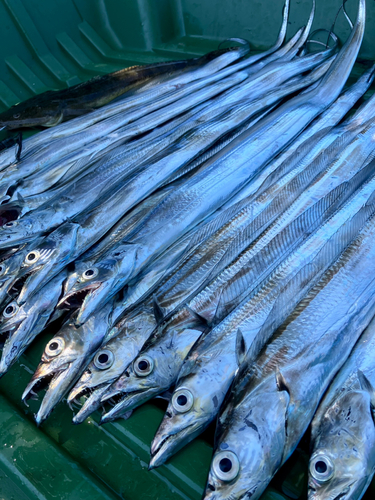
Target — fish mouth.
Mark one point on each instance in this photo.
(92, 402)
(5, 334)
(17, 285)
(38, 384)
(122, 402)
(9, 214)
(161, 451)
(76, 299)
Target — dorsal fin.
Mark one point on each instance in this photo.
(281, 382)
(240, 348)
(158, 310)
(202, 323)
(366, 386)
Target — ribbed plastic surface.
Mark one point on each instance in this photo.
(51, 44)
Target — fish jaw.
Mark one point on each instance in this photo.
(345, 444)
(256, 446)
(171, 438)
(54, 253)
(131, 395)
(92, 404)
(58, 386)
(113, 275)
(18, 335)
(96, 297)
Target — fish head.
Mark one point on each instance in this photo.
(45, 259)
(17, 232)
(104, 279)
(32, 113)
(111, 360)
(9, 270)
(16, 326)
(152, 372)
(191, 409)
(343, 456)
(95, 280)
(64, 358)
(139, 383)
(249, 448)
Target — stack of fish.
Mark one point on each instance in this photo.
(209, 233)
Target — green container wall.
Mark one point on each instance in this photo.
(51, 44)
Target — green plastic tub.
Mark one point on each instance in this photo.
(52, 44)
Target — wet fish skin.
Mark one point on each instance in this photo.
(52, 107)
(65, 357)
(124, 346)
(66, 205)
(20, 328)
(168, 345)
(342, 430)
(80, 123)
(298, 116)
(203, 367)
(293, 371)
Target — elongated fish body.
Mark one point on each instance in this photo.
(66, 356)
(69, 204)
(52, 107)
(112, 287)
(207, 303)
(20, 325)
(167, 348)
(255, 87)
(288, 378)
(101, 152)
(174, 289)
(53, 153)
(342, 432)
(289, 119)
(81, 123)
(251, 324)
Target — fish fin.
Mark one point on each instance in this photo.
(21, 199)
(202, 323)
(366, 386)
(281, 383)
(240, 348)
(158, 310)
(127, 415)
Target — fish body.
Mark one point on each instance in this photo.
(291, 373)
(167, 348)
(54, 106)
(213, 362)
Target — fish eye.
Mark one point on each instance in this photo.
(55, 347)
(11, 223)
(10, 310)
(104, 359)
(226, 466)
(2, 269)
(90, 274)
(143, 366)
(17, 115)
(32, 257)
(182, 400)
(321, 468)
